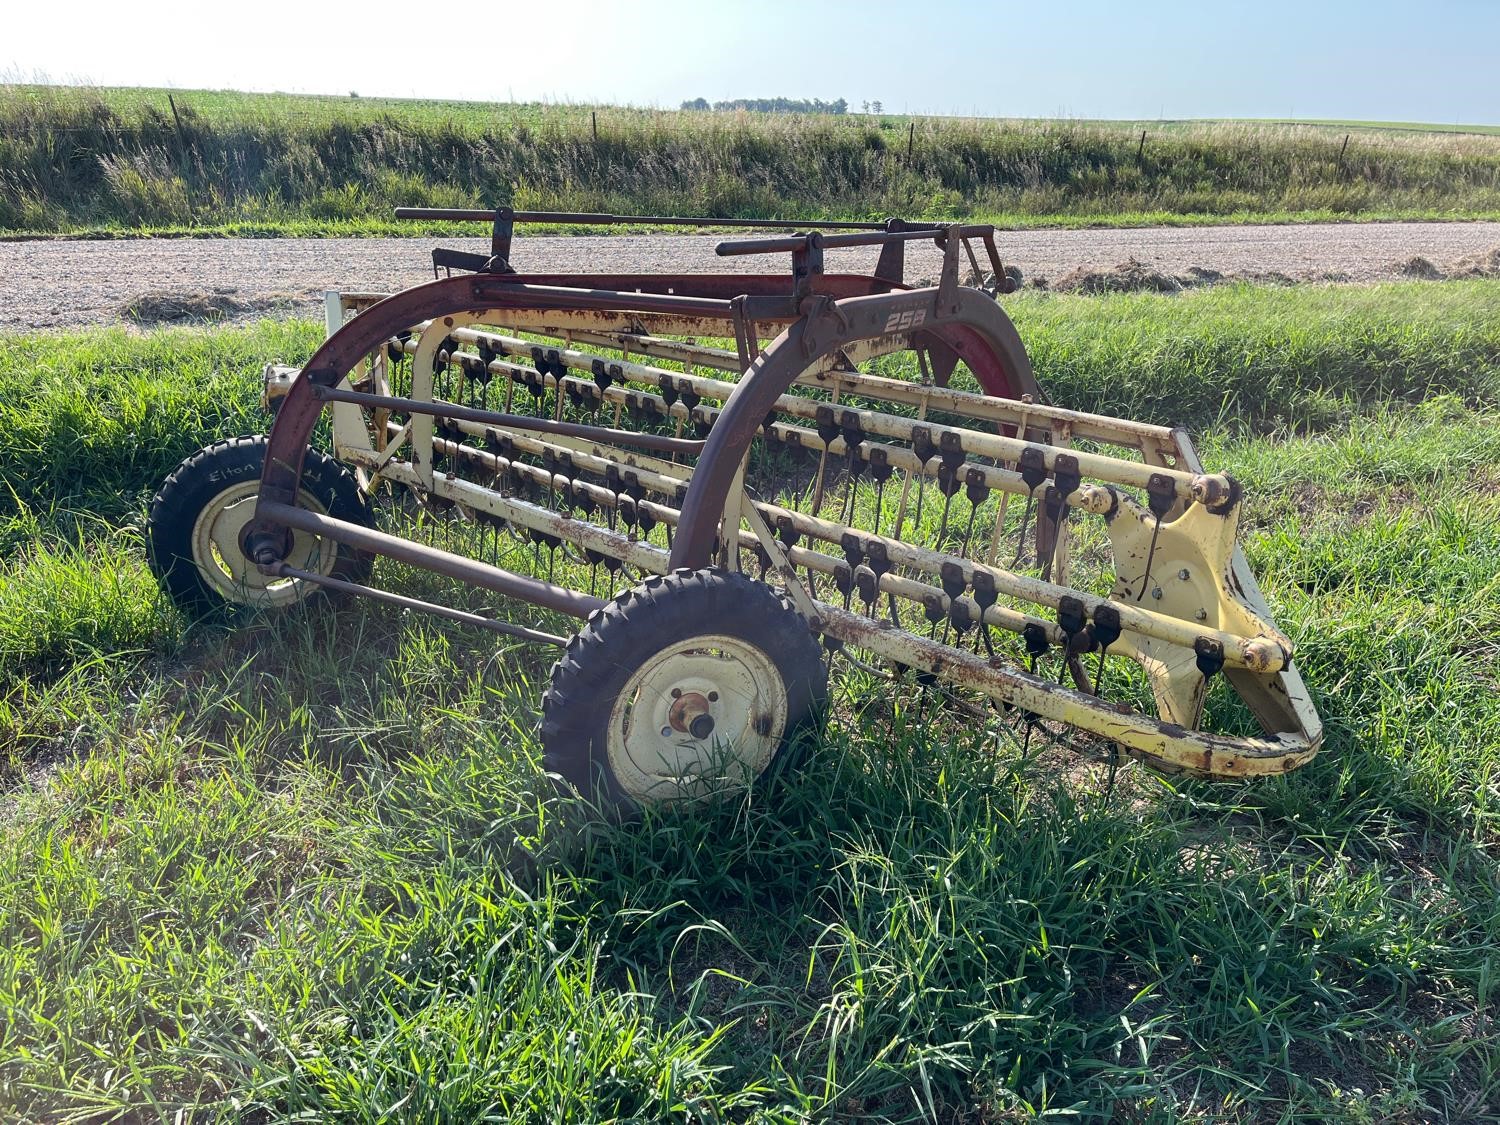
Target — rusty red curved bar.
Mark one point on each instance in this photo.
(841, 310)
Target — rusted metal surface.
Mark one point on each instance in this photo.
(1258, 653)
(342, 352)
(797, 384)
(1161, 743)
(793, 244)
(724, 287)
(976, 329)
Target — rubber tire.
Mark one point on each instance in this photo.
(196, 483)
(637, 624)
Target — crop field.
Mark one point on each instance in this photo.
(130, 162)
(281, 865)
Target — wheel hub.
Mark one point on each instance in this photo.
(691, 713)
(219, 552)
(700, 715)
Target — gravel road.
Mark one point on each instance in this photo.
(47, 285)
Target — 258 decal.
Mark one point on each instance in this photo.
(901, 321)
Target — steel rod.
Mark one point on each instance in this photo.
(401, 601)
(745, 246)
(655, 442)
(544, 594)
(587, 218)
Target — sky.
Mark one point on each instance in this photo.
(1374, 60)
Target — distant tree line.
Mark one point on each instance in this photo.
(773, 105)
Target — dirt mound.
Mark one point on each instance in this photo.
(1419, 268)
(1486, 264)
(1134, 276)
(173, 307)
(1130, 276)
(1267, 277)
(1199, 275)
(184, 307)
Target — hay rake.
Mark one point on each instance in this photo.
(769, 469)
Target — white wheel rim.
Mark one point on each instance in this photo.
(217, 554)
(655, 761)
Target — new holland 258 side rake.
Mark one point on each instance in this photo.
(878, 457)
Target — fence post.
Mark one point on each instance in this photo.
(1140, 148)
(185, 152)
(594, 117)
(911, 135)
(181, 133)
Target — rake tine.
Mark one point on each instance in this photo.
(963, 545)
(1160, 496)
(926, 446)
(1150, 558)
(1109, 781)
(1025, 519)
(916, 520)
(995, 535)
(817, 495)
(942, 534)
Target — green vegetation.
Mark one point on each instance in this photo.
(122, 160)
(293, 864)
(1406, 127)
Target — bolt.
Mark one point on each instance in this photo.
(1183, 574)
(1156, 593)
(713, 697)
(676, 693)
(1201, 615)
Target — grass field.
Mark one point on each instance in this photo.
(120, 161)
(294, 865)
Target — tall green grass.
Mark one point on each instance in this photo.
(296, 865)
(1263, 357)
(74, 158)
